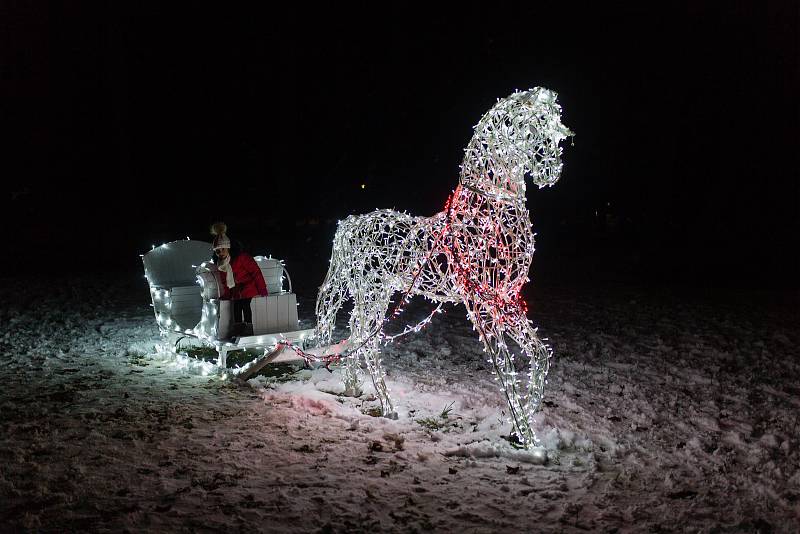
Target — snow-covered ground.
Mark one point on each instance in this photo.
(666, 411)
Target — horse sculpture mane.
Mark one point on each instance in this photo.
(477, 251)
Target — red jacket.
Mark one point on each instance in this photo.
(248, 278)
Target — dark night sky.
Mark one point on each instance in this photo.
(125, 126)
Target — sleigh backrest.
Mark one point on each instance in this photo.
(173, 264)
(171, 272)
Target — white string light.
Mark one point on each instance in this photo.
(477, 252)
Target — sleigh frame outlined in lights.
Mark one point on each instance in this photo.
(186, 299)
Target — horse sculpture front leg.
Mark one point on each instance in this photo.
(538, 356)
(494, 326)
(366, 326)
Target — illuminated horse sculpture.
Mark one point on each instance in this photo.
(477, 251)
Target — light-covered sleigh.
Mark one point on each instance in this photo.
(184, 287)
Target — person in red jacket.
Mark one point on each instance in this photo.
(240, 278)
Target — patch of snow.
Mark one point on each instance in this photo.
(676, 413)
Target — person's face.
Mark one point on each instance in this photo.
(222, 253)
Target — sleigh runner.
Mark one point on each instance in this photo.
(187, 302)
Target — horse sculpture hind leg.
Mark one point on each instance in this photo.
(332, 295)
(366, 327)
(361, 273)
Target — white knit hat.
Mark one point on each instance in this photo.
(220, 239)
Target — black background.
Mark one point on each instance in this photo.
(126, 125)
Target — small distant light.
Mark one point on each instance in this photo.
(363, 186)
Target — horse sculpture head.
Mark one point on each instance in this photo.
(519, 136)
